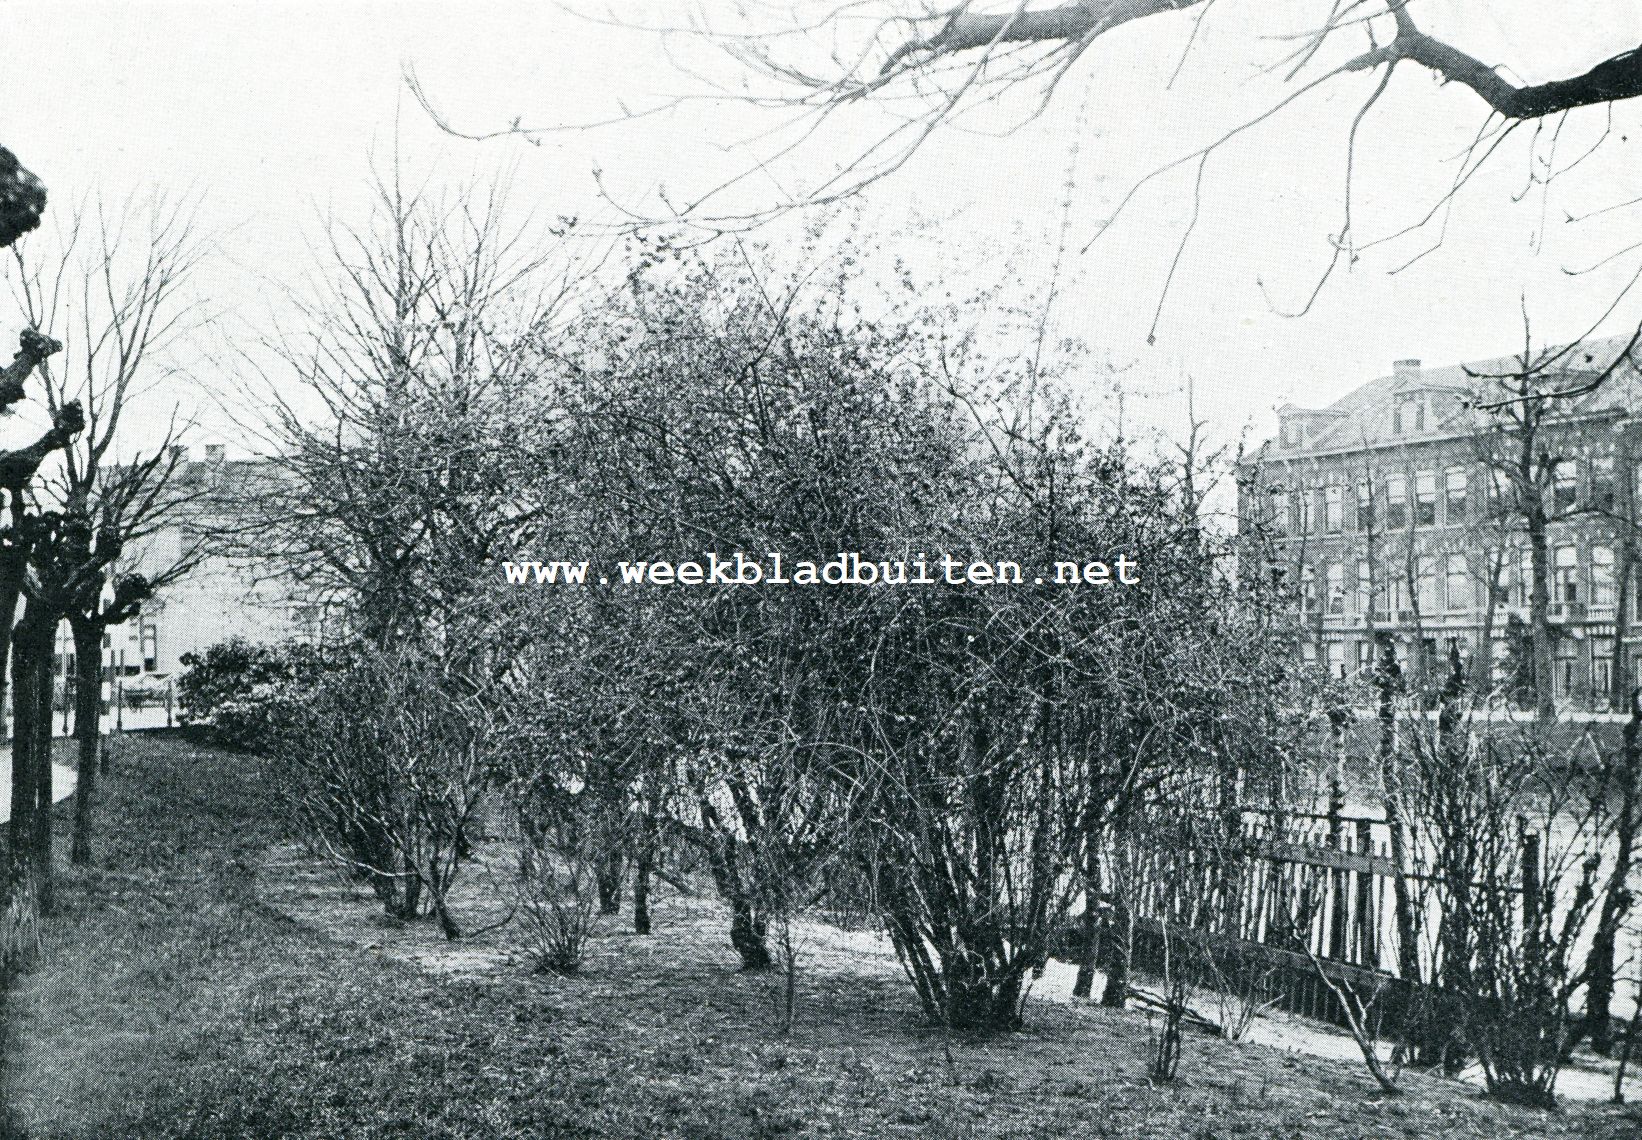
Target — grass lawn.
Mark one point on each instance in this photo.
(204, 982)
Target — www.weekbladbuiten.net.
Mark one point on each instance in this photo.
(846, 568)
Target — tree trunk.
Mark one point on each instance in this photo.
(1482, 673)
(985, 1001)
(88, 731)
(30, 828)
(1619, 682)
(748, 924)
(1539, 617)
(1116, 993)
(749, 935)
(610, 874)
(441, 912)
(1385, 683)
(641, 889)
(1090, 934)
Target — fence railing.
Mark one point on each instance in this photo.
(1284, 883)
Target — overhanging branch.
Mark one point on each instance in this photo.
(1616, 78)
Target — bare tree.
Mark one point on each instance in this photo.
(1528, 438)
(112, 285)
(22, 200)
(400, 411)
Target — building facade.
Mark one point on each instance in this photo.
(228, 592)
(1400, 511)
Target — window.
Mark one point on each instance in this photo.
(1601, 666)
(1565, 579)
(1333, 508)
(1366, 599)
(1602, 576)
(1564, 486)
(1308, 589)
(151, 651)
(1408, 414)
(1308, 509)
(1396, 502)
(1335, 580)
(1280, 513)
(1425, 580)
(1368, 657)
(1365, 505)
(1425, 498)
(1523, 593)
(1567, 660)
(1336, 651)
(1457, 582)
(1397, 588)
(1604, 491)
(1453, 492)
(1289, 433)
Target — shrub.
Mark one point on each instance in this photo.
(383, 763)
(558, 891)
(240, 690)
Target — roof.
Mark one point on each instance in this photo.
(1363, 417)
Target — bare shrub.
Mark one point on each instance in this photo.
(1235, 991)
(1176, 993)
(1509, 832)
(558, 889)
(1359, 1017)
(383, 764)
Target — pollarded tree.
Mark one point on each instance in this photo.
(34, 545)
(114, 280)
(30, 768)
(22, 200)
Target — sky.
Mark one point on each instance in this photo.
(270, 116)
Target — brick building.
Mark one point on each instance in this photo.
(1392, 511)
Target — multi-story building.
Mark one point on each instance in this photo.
(1399, 510)
(228, 591)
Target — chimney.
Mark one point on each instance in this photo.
(1407, 371)
(213, 454)
(179, 455)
